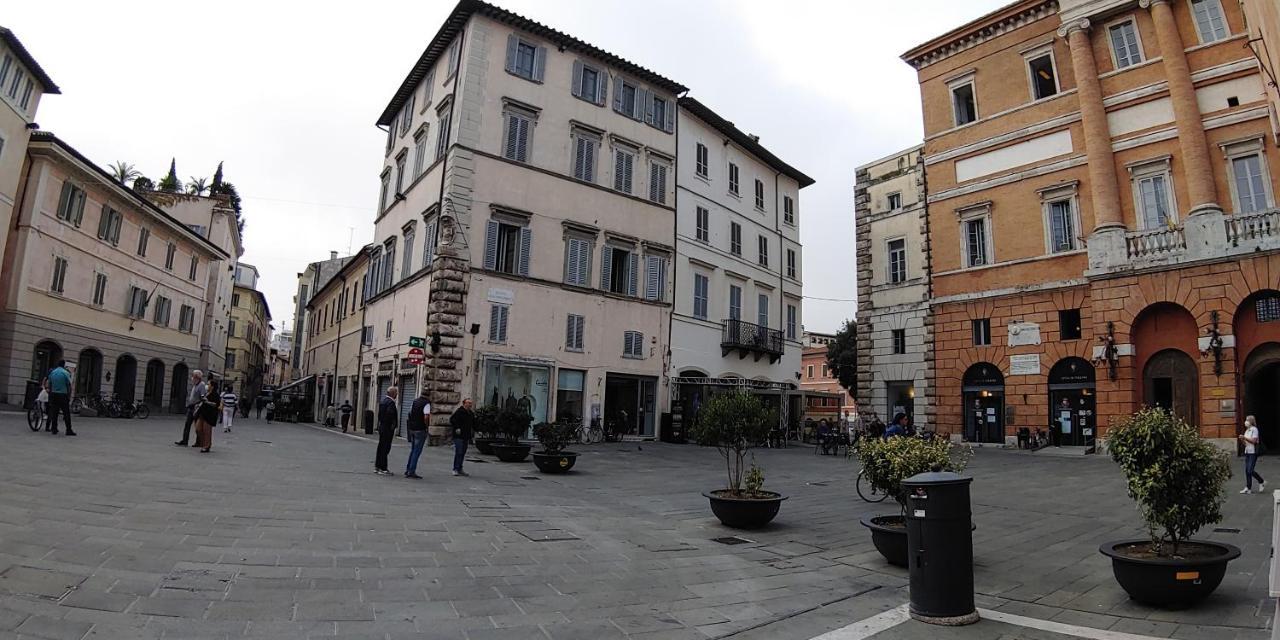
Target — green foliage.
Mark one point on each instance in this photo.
(1174, 475)
(755, 478)
(485, 422)
(197, 186)
(733, 423)
(124, 172)
(887, 462)
(170, 182)
(217, 177)
(513, 424)
(842, 356)
(143, 183)
(555, 436)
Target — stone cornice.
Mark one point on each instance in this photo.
(977, 32)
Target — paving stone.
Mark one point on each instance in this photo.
(98, 600)
(44, 627)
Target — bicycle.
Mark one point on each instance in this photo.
(591, 434)
(140, 410)
(875, 494)
(36, 416)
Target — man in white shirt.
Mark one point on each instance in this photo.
(228, 408)
(1250, 438)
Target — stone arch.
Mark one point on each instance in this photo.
(89, 373)
(44, 357)
(125, 382)
(153, 388)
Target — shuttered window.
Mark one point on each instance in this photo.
(170, 252)
(792, 312)
(144, 235)
(59, 275)
(629, 99)
(136, 304)
(574, 326)
(195, 265)
(442, 134)
(584, 155)
(1124, 44)
(71, 204)
(660, 113)
(655, 278)
(633, 344)
(161, 316)
(1209, 21)
(759, 194)
(624, 161)
(525, 59)
(763, 257)
(498, 323)
(618, 270)
(419, 151)
(519, 128)
(788, 210)
(703, 222)
(407, 267)
(700, 285)
(186, 318)
(507, 248)
(735, 302)
(429, 243)
(577, 262)
(589, 83)
(791, 263)
(733, 178)
(109, 225)
(99, 289)
(762, 309)
(658, 182)
(702, 167)
(735, 238)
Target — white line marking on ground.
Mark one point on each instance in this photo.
(1058, 627)
(864, 629)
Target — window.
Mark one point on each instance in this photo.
(628, 99)
(59, 275)
(388, 333)
(735, 302)
(759, 195)
(589, 82)
(897, 261)
(618, 268)
(71, 204)
(428, 85)
(519, 130)
(809, 372)
(762, 310)
(525, 59)
(573, 330)
(894, 201)
(507, 247)
(195, 265)
(702, 219)
(700, 286)
(791, 263)
(1124, 44)
(428, 246)
(1268, 308)
(577, 261)
(99, 289)
(186, 318)
(658, 182)
(161, 316)
(442, 134)
(733, 178)
(982, 332)
(407, 267)
(144, 235)
(1062, 226)
(5, 65)
(963, 103)
(788, 210)
(419, 151)
(400, 162)
(762, 250)
(1044, 81)
(1209, 22)
(18, 76)
(899, 341)
(231, 328)
(366, 335)
(624, 161)
(388, 264)
(382, 194)
(632, 344)
(977, 241)
(136, 304)
(498, 314)
(655, 278)
(826, 371)
(26, 94)
(169, 255)
(735, 238)
(1153, 200)
(109, 225)
(231, 359)
(792, 312)
(406, 115)
(453, 59)
(1250, 183)
(235, 297)
(660, 113)
(584, 155)
(702, 167)
(1069, 324)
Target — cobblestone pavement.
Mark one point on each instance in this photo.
(283, 532)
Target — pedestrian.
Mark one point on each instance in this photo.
(42, 403)
(258, 405)
(898, 427)
(416, 428)
(60, 398)
(460, 422)
(1251, 441)
(229, 400)
(194, 397)
(346, 410)
(206, 417)
(271, 410)
(388, 421)
(330, 416)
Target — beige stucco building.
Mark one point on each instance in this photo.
(98, 275)
(249, 335)
(310, 280)
(335, 335)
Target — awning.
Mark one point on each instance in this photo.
(296, 383)
(744, 383)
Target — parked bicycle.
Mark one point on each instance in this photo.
(591, 434)
(867, 492)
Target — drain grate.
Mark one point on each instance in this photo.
(530, 478)
(1226, 530)
(817, 484)
(731, 540)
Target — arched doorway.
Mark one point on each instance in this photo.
(1170, 381)
(126, 381)
(89, 373)
(153, 388)
(1072, 403)
(1261, 386)
(44, 358)
(178, 388)
(984, 403)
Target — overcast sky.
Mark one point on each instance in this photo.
(286, 94)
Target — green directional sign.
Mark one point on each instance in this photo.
(415, 341)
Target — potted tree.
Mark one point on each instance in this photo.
(734, 423)
(486, 429)
(1176, 477)
(511, 426)
(554, 437)
(885, 464)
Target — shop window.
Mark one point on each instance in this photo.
(569, 388)
(517, 387)
(1069, 324)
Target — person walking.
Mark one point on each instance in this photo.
(60, 398)
(271, 410)
(207, 417)
(194, 397)
(416, 428)
(346, 410)
(388, 421)
(258, 404)
(1251, 440)
(460, 423)
(229, 401)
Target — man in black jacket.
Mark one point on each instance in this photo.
(388, 420)
(416, 429)
(460, 423)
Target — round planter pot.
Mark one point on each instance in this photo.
(555, 462)
(889, 534)
(1171, 582)
(511, 452)
(484, 445)
(744, 513)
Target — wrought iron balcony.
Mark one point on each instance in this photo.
(750, 339)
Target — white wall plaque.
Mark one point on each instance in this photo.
(502, 296)
(1024, 365)
(1023, 333)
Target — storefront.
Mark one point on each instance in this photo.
(984, 403)
(690, 392)
(517, 386)
(630, 404)
(1072, 401)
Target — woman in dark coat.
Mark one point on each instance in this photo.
(207, 416)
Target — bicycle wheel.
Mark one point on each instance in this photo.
(34, 417)
(597, 435)
(869, 494)
(76, 405)
(142, 412)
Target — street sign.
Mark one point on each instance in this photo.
(413, 361)
(415, 341)
(415, 352)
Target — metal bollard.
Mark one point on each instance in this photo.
(940, 548)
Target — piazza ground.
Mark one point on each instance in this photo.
(283, 532)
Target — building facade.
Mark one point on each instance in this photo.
(335, 335)
(96, 274)
(824, 398)
(309, 280)
(894, 327)
(249, 337)
(738, 278)
(1102, 219)
(22, 84)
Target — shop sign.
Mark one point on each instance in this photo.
(386, 366)
(1024, 365)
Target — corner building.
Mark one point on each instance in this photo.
(1102, 218)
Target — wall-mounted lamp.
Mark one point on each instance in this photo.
(1215, 343)
(1110, 356)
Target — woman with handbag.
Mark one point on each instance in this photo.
(1252, 445)
(206, 417)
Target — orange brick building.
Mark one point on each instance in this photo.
(1103, 229)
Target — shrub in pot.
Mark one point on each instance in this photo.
(486, 429)
(554, 437)
(511, 426)
(1176, 478)
(886, 462)
(733, 423)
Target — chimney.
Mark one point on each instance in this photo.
(754, 137)
(333, 255)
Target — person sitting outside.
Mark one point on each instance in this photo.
(898, 427)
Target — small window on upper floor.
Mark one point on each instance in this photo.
(733, 178)
(702, 168)
(1210, 23)
(629, 99)
(899, 341)
(660, 113)
(1125, 50)
(589, 82)
(759, 195)
(788, 210)
(525, 59)
(964, 104)
(894, 201)
(1044, 81)
(981, 332)
(1069, 324)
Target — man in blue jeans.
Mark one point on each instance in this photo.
(60, 397)
(460, 424)
(416, 426)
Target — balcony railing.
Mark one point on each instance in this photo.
(750, 339)
(1252, 227)
(1142, 245)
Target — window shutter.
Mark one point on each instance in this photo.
(617, 170)
(577, 78)
(104, 223)
(617, 95)
(568, 331)
(606, 267)
(602, 87)
(633, 269)
(643, 110)
(526, 239)
(522, 139)
(579, 158)
(115, 228)
(571, 261)
(504, 311)
(513, 130)
(491, 245)
(429, 245)
(79, 201)
(650, 277)
(494, 312)
(670, 125)
(628, 163)
(512, 44)
(64, 202)
(539, 63)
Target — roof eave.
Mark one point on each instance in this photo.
(742, 139)
(25, 56)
